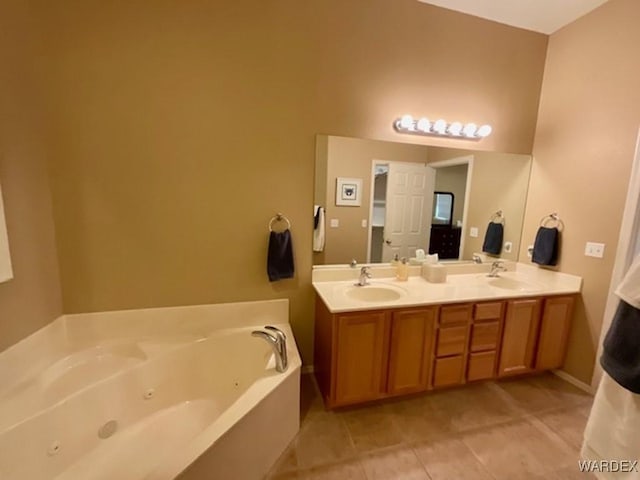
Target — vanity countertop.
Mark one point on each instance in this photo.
(465, 283)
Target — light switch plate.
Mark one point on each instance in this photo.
(364, 223)
(593, 249)
(335, 223)
(473, 232)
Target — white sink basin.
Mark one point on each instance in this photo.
(375, 293)
(513, 284)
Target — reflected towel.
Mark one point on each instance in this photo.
(545, 247)
(318, 228)
(493, 239)
(621, 355)
(280, 256)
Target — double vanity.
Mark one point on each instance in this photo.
(391, 338)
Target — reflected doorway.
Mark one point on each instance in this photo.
(401, 206)
(448, 211)
(417, 205)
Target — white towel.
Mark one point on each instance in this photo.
(318, 231)
(629, 288)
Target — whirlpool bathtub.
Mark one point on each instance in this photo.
(154, 394)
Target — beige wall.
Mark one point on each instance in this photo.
(585, 139)
(32, 298)
(352, 157)
(453, 179)
(499, 181)
(177, 129)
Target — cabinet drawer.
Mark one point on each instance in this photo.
(481, 366)
(453, 314)
(484, 336)
(488, 311)
(448, 371)
(451, 340)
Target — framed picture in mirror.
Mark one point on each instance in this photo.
(348, 192)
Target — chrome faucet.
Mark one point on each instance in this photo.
(497, 266)
(364, 275)
(476, 258)
(278, 341)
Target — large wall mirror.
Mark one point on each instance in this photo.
(6, 272)
(405, 197)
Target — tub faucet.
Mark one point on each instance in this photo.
(497, 266)
(278, 341)
(364, 275)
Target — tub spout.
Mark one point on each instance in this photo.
(282, 345)
(278, 342)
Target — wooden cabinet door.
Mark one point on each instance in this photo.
(482, 366)
(360, 357)
(448, 371)
(519, 337)
(410, 352)
(554, 332)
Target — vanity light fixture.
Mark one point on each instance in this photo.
(424, 126)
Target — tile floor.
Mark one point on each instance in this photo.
(525, 429)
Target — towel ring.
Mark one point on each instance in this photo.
(553, 217)
(497, 217)
(279, 218)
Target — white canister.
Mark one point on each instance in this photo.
(434, 273)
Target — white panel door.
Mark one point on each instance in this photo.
(407, 223)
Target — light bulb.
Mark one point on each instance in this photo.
(470, 130)
(440, 126)
(406, 121)
(484, 131)
(424, 125)
(454, 129)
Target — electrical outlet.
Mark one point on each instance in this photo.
(508, 246)
(594, 250)
(335, 223)
(473, 232)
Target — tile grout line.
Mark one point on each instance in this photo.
(478, 459)
(424, 467)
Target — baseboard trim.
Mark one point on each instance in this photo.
(585, 387)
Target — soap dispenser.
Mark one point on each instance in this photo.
(402, 270)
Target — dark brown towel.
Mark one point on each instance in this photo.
(545, 247)
(493, 239)
(280, 256)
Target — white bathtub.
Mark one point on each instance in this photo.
(149, 394)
